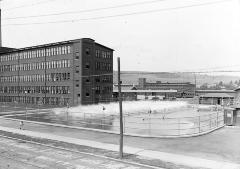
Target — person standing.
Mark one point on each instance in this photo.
(21, 125)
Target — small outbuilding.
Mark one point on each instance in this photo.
(216, 99)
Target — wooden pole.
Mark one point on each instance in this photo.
(0, 28)
(120, 111)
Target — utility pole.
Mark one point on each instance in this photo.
(120, 111)
(195, 81)
(25, 92)
(0, 25)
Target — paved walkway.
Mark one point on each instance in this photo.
(163, 156)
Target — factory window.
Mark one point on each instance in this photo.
(87, 65)
(98, 54)
(87, 94)
(97, 79)
(87, 80)
(59, 50)
(77, 85)
(52, 51)
(68, 49)
(43, 52)
(97, 90)
(58, 63)
(87, 51)
(68, 61)
(77, 55)
(68, 76)
(78, 95)
(109, 55)
(77, 71)
(64, 50)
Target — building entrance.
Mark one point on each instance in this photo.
(237, 118)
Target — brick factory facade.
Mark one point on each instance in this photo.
(70, 72)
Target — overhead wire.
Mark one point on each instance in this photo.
(27, 5)
(120, 15)
(85, 11)
(217, 71)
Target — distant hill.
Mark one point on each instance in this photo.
(131, 77)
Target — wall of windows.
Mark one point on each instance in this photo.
(106, 78)
(55, 64)
(103, 66)
(35, 89)
(51, 77)
(35, 100)
(103, 54)
(36, 53)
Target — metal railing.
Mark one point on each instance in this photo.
(145, 124)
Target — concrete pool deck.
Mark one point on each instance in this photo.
(183, 151)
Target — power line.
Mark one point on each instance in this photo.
(85, 11)
(121, 15)
(217, 71)
(27, 5)
(207, 69)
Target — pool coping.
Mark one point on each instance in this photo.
(115, 132)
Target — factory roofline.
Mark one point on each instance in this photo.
(6, 49)
(146, 91)
(216, 91)
(54, 43)
(169, 83)
(217, 95)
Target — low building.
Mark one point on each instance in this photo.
(237, 97)
(203, 92)
(236, 119)
(216, 99)
(184, 90)
(136, 94)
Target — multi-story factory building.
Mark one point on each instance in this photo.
(69, 72)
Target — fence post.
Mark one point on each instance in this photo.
(199, 124)
(149, 125)
(124, 124)
(210, 125)
(104, 120)
(179, 127)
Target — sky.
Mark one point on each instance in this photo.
(148, 35)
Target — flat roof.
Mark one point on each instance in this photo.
(6, 49)
(217, 95)
(147, 91)
(159, 84)
(53, 44)
(216, 91)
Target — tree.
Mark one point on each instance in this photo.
(204, 86)
(220, 83)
